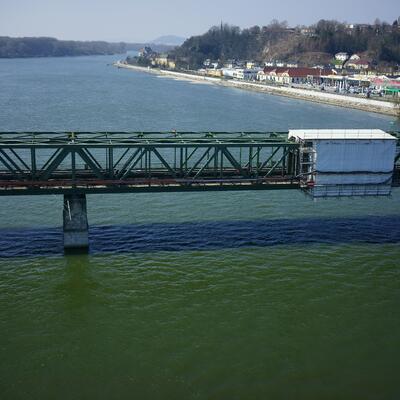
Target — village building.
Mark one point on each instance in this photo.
(245, 74)
(309, 32)
(228, 72)
(230, 64)
(163, 61)
(342, 56)
(287, 76)
(347, 83)
(358, 64)
(250, 64)
(214, 72)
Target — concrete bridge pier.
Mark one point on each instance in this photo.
(75, 222)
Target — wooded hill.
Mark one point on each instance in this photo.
(318, 43)
(51, 47)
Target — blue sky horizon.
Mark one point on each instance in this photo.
(133, 21)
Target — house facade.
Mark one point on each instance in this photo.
(245, 74)
(287, 76)
(358, 64)
(342, 56)
(163, 61)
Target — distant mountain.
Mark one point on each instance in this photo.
(169, 40)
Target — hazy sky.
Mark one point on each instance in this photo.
(131, 20)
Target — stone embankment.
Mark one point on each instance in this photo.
(364, 104)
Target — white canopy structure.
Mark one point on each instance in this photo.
(346, 162)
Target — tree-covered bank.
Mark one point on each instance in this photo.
(51, 47)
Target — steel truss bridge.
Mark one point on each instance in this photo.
(36, 163)
(100, 162)
(75, 164)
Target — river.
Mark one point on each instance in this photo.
(192, 295)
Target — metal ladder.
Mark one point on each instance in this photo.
(307, 160)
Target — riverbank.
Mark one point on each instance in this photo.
(370, 105)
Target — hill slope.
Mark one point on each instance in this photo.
(276, 41)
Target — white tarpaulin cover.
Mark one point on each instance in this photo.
(351, 179)
(374, 155)
(351, 159)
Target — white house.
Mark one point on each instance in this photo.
(262, 76)
(229, 64)
(228, 72)
(250, 64)
(342, 56)
(308, 32)
(245, 74)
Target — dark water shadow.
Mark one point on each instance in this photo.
(213, 235)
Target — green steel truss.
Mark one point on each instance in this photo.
(112, 162)
(104, 162)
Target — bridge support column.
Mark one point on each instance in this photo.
(75, 222)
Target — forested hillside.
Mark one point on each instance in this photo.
(380, 42)
(50, 47)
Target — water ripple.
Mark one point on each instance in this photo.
(206, 235)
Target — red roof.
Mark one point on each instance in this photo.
(360, 62)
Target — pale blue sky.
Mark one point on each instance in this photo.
(131, 20)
